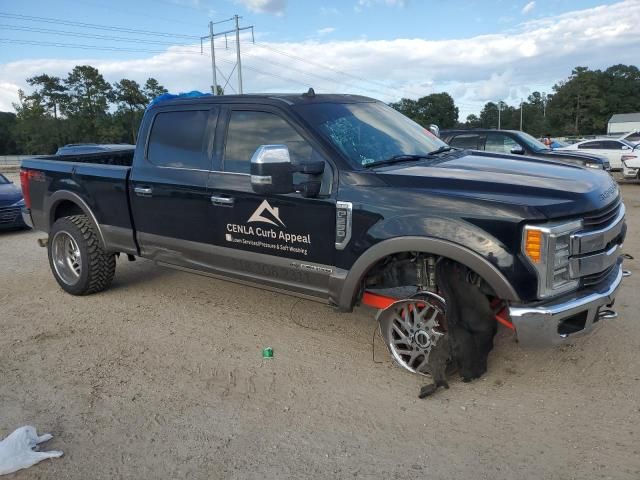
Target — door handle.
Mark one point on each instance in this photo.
(143, 191)
(222, 201)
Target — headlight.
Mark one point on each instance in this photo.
(548, 248)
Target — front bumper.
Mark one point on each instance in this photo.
(559, 321)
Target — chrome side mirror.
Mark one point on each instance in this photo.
(517, 150)
(435, 129)
(271, 170)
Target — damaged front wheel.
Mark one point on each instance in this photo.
(414, 330)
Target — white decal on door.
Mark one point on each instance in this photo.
(265, 208)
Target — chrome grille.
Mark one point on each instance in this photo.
(9, 214)
(603, 216)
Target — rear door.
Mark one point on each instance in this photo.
(285, 241)
(169, 197)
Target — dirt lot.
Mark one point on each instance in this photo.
(162, 377)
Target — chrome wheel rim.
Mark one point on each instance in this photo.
(411, 328)
(66, 258)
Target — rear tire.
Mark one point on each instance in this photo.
(78, 261)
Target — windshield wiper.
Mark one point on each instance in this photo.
(404, 157)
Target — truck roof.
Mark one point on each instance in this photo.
(288, 98)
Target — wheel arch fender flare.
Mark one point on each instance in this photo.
(344, 288)
(65, 195)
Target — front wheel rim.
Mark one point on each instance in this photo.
(66, 257)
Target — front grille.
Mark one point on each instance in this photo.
(603, 216)
(9, 214)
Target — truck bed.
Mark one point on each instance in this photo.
(103, 187)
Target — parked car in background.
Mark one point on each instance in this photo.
(631, 164)
(613, 149)
(632, 137)
(77, 148)
(519, 143)
(11, 203)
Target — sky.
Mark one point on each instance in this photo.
(475, 50)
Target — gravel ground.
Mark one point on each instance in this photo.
(162, 377)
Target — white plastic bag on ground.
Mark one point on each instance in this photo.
(16, 451)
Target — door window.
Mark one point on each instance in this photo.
(500, 143)
(592, 145)
(466, 141)
(612, 145)
(176, 140)
(249, 130)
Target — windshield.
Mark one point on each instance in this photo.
(531, 142)
(368, 133)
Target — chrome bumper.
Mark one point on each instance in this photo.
(560, 321)
(26, 217)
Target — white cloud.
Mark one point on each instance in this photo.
(528, 8)
(505, 65)
(369, 3)
(326, 30)
(276, 7)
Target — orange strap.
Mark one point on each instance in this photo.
(381, 302)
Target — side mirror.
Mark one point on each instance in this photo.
(435, 129)
(517, 150)
(626, 147)
(271, 170)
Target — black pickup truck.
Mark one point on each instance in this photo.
(336, 198)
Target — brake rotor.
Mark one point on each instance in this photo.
(412, 328)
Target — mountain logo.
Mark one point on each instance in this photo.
(266, 209)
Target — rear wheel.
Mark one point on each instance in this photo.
(79, 263)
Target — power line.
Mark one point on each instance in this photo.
(32, 18)
(93, 36)
(91, 47)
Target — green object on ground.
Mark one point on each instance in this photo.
(267, 352)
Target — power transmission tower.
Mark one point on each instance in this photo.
(211, 37)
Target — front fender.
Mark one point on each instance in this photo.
(452, 238)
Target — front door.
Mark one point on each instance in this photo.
(284, 241)
(169, 197)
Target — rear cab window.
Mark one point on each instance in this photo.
(176, 140)
(467, 140)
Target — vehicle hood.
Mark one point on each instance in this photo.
(9, 194)
(559, 154)
(553, 189)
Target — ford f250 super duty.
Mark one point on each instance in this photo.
(340, 199)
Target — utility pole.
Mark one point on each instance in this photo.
(238, 61)
(521, 103)
(499, 109)
(214, 87)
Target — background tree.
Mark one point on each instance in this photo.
(87, 104)
(131, 103)
(438, 108)
(153, 89)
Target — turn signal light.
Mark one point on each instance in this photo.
(533, 245)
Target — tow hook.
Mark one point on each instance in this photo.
(43, 242)
(607, 314)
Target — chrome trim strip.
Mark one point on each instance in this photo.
(596, 263)
(341, 208)
(594, 240)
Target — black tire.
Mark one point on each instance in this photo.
(97, 266)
